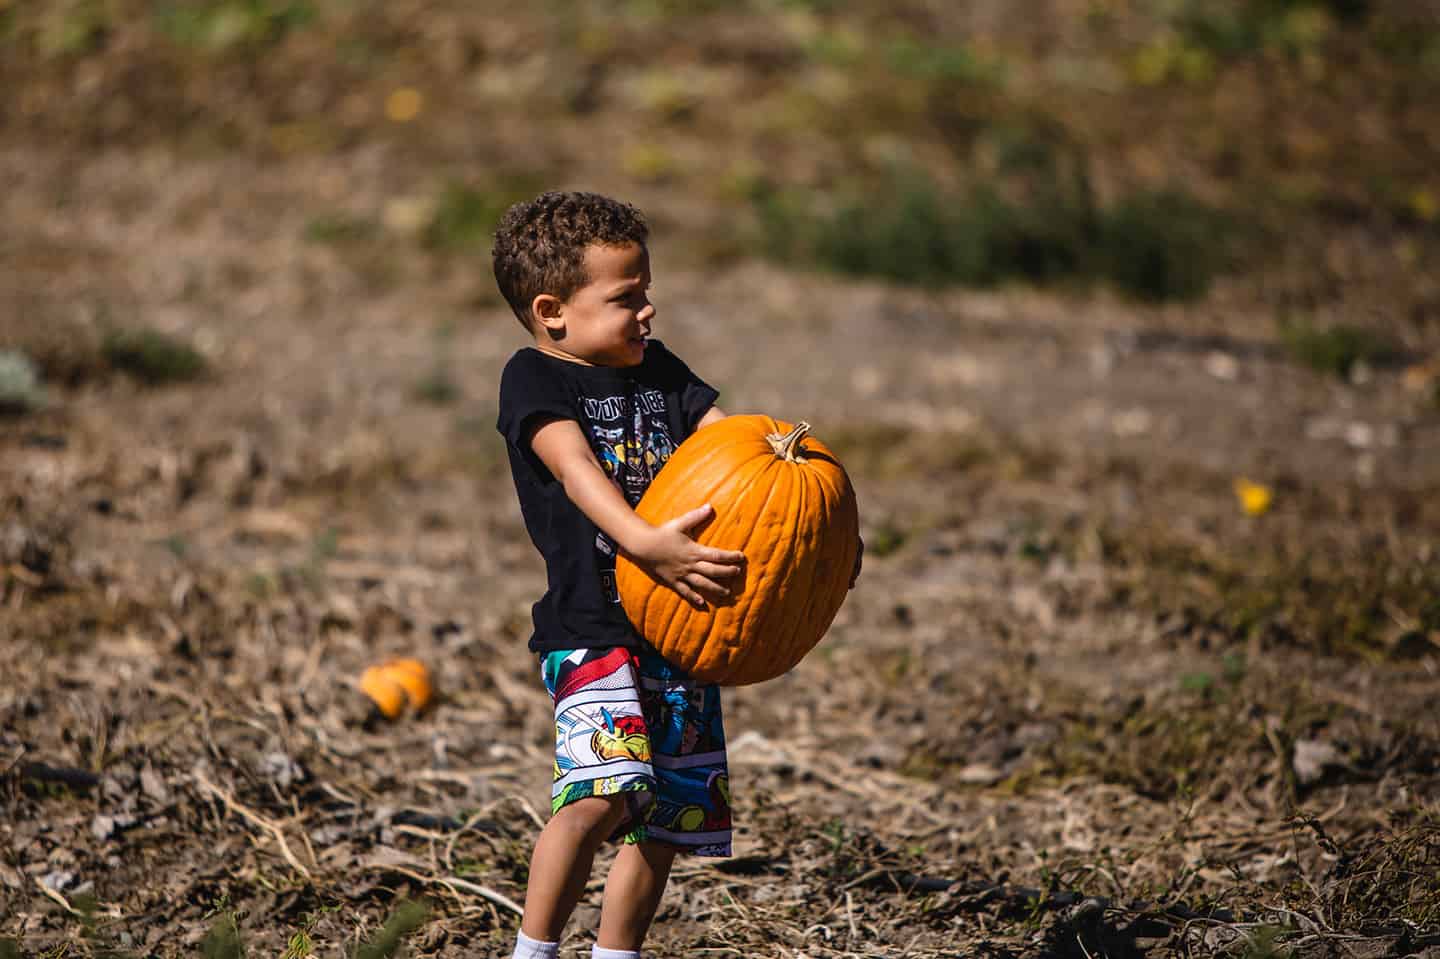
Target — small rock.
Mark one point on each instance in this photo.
(1313, 757)
(980, 774)
(1222, 366)
(281, 768)
(103, 826)
(59, 880)
(153, 786)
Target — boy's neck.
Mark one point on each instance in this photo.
(550, 349)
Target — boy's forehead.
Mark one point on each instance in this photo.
(615, 264)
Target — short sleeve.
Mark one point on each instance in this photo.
(696, 396)
(527, 393)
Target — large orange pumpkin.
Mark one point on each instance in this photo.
(782, 498)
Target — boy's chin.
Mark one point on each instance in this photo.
(635, 354)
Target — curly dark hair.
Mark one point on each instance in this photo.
(540, 244)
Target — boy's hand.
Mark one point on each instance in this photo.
(859, 561)
(698, 573)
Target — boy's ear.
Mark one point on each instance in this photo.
(545, 309)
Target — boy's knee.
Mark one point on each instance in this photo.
(593, 818)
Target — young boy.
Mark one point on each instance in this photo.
(590, 413)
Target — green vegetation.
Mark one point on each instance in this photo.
(223, 940)
(438, 387)
(1167, 745)
(77, 28)
(1160, 245)
(152, 357)
(465, 217)
(887, 452)
(407, 917)
(1333, 604)
(1338, 350)
(218, 25)
(1243, 29)
(1264, 943)
(340, 229)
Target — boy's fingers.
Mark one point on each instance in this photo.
(726, 557)
(707, 587)
(717, 571)
(688, 521)
(690, 596)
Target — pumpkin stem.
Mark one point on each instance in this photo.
(788, 447)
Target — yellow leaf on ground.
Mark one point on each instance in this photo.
(404, 104)
(1255, 498)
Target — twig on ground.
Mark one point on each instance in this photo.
(231, 803)
(457, 884)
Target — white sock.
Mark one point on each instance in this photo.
(599, 952)
(527, 948)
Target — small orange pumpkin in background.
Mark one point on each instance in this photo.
(782, 498)
(397, 684)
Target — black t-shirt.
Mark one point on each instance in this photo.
(634, 417)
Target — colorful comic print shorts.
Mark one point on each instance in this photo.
(627, 722)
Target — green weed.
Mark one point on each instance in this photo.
(465, 217)
(1338, 350)
(1264, 943)
(1244, 29)
(437, 388)
(893, 451)
(1162, 245)
(100, 945)
(73, 28)
(407, 917)
(885, 539)
(340, 229)
(1332, 604)
(1160, 751)
(913, 57)
(1043, 230)
(152, 357)
(215, 26)
(223, 940)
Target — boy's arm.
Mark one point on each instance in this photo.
(666, 551)
(712, 415)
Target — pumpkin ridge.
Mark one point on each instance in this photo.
(741, 495)
(822, 599)
(802, 545)
(682, 617)
(755, 604)
(836, 520)
(773, 597)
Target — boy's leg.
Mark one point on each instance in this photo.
(560, 865)
(632, 894)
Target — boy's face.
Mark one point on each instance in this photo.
(606, 321)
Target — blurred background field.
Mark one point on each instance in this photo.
(1123, 314)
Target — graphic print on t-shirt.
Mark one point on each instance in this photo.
(631, 438)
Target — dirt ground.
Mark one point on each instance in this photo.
(1081, 703)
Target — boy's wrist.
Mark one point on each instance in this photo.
(640, 540)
